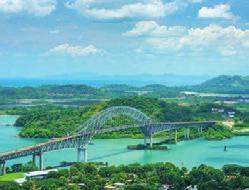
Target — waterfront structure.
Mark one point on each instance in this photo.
(39, 174)
(80, 138)
(35, 175)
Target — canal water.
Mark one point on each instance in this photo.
(186, 153)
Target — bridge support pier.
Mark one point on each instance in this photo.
(85, 154)
(3, 168)
(79, 151)
(200, 131)
(41, 160)
(41, 163)
(151, 141)
(34, 159)
(145, 140)
(175, 135)
(187, 132)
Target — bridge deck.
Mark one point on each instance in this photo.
(59, 143)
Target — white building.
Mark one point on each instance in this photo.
(35, 175)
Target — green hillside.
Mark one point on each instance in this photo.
(226, 84)
(57, 121)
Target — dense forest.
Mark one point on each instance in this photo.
(52, 121)
(139, 177)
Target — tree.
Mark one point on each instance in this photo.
(9, 186)
(231, 169)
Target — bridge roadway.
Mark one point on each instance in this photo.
(82, 139)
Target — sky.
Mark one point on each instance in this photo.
(40, 38)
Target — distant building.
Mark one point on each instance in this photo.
(35, 175)
(244, 101)
(230, 102)
(164, 187)
(192, 187)
(119, 185)
(231, 114)
(110, 187)
(138, 92)
(225, 113)
(190, 93)
(219, 110)
(39, 174)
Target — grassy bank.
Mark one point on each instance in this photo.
(11, 176)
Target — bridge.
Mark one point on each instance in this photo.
(81, 137)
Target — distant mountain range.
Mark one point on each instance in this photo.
(220, 84)
(102, 80)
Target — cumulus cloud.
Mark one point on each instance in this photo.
(75, 50)
(151, 28)
(226, 41)
(221, 11)
(34, 7)
(136, 9)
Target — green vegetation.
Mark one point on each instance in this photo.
(48, 91)
(51, 121)
(11, 176)
(221, 84)
(147, 147)
(46, 122)
(225, 84)
(16, 170)
(30, 166)
(218, 132)
(9, 95)
(139, 177)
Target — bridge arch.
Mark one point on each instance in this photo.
(96, 122)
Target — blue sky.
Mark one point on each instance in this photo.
(187, 37)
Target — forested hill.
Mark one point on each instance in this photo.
(221, 84)
(83, 91)
(57, 121)
(49, 91)
(226, 84)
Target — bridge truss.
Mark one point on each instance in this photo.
(80, 138)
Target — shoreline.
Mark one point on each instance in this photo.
(8, 115)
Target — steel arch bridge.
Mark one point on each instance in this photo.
(81, 137)
(95, 124)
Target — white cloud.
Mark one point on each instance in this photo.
(153, 29)
(137, 9)
(34, 7)
(221, 11)
(153, 8)
(226, 41)
(54, 31)
(75, 50)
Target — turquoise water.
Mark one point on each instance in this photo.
(187, 153)
(7, 119)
